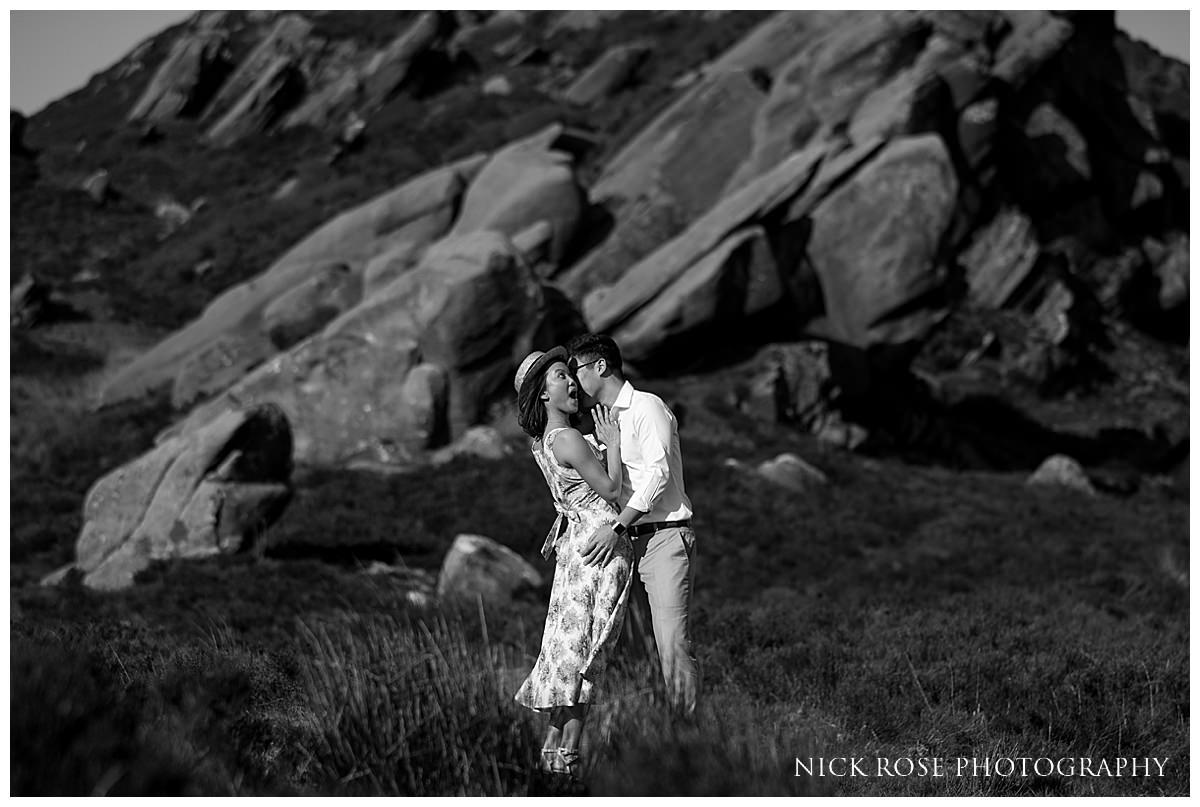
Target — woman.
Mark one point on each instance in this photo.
(587, 603)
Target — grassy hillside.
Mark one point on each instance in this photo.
(900, 611)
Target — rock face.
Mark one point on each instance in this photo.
(722, 271)
(307, 307)
(479, 569)
(211, 491)
(669, 174)
(608, 308)
(522, 184)
(608, 74)
(184, 83)
(469, 311)
(389, 69)
(1000, 258)
(876, 245)
(264, 84)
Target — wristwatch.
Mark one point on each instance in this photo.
(619, 528)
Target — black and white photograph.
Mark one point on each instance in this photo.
(599, 403)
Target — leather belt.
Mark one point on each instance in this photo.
(638, 530)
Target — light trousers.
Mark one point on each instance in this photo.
(664, 562)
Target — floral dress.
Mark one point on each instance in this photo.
(587, 603)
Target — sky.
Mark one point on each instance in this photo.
(54, 53)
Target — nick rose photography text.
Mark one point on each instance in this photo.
(981, 766)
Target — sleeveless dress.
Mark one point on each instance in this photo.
(587, 603)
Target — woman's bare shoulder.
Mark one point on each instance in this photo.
(567, 444)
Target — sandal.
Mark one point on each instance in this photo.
(549, 755)
(566, 763)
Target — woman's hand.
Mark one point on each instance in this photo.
(608, 431)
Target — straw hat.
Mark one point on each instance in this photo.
(536, 363)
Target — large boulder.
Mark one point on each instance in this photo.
(1000, 259)
(791, 383)
(524, 183)
(722, 270)
(607, 308)
(876, 245)
(417, 211)
(470, 308)
(730, 283)
(838, 62)
(210, 491)
(184, 83)
(478, 569)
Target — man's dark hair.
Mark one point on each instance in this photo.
(592, 346)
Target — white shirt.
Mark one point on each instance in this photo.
(653, 478)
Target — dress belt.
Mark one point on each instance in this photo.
(551, 543)
(638, 530)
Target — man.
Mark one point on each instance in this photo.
(656, 512)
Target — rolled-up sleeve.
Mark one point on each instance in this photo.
(653, 428)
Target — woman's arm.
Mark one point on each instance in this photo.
(573, 451)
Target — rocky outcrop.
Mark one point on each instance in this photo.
(608, 74)
(527, 182)
(276, 89)
(187, 79)
(606, 309)
(668, 175)
(307, 307)
(208, 492)
(838, 62)
(389, 70)
(267, 67)
(1000, 258)
(479, 570)
(334, 90)
(877, 245)
(721, 272)
(791, 383)
(470, 310)
(417, 212)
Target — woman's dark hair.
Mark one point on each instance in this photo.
(531, 412)
(531, 409)
(591, 346)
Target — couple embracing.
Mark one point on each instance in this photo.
(623, 527)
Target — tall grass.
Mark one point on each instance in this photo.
(414, 709)
(425, 708)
